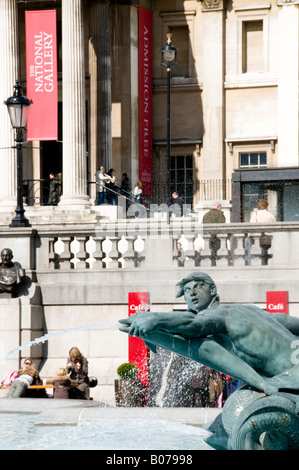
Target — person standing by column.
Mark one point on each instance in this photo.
(101, 179)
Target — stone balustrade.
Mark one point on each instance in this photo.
(139, 243)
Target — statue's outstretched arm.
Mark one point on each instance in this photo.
(203, 350)
(185, 323)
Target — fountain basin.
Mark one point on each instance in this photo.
(70, 412)
(83, 425)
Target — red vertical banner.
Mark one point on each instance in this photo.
(41, 74)
(277, 301)
(138, 352)
(145, 61)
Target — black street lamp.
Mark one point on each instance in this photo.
(18, 108)
(169, 53)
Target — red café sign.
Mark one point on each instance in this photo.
(138, 352)
(277, 301)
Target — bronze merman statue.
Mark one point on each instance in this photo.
(242, 341)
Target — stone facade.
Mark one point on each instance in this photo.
(233, 93)
(234, 99)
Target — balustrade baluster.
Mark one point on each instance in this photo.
(52, 254)
(78, 250)
(98, 253)
(63, 250)
(138, 245)
(129, 255)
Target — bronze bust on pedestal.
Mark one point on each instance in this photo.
(11, 275)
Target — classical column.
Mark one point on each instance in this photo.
(100, 88)
(212, 96)
(9, 74)
(74, 171)
(288, 76)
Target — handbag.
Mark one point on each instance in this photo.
(265, 240)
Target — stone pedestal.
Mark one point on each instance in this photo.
(21, 321)
(21, 242)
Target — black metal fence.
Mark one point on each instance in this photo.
(43, 192)
(48, 191)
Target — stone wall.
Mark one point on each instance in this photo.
(61, 294)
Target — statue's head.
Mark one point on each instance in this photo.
(199, 291)
(6, 255)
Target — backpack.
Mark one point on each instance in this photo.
(9, 378)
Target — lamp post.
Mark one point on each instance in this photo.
(169, 53)
(18, 108)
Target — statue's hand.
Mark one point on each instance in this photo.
(139, 324)
(127, 322)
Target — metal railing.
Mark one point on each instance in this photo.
(42, 192)
(37, 192)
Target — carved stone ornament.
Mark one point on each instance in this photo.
(287, 2)
(212, 4)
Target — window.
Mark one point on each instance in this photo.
(181, 177)
(252, 43)
(181, 25)
(253, 192)
(253, 159)
(180, 35)
(252, 46)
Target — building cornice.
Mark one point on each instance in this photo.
(232, 141)
(256, 7)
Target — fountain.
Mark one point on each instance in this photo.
(46, 337)
(244, 342)
(63, 425)
(108, 432)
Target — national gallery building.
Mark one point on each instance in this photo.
(232, 110)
